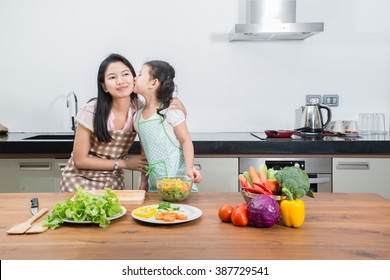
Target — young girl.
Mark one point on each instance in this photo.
(163, 131)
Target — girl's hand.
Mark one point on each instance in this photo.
(195, 175)
(137, 163)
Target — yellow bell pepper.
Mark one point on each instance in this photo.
(293, 212)
(145, 212)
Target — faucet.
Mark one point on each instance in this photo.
(75, 106)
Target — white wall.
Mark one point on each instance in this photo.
(50, 47)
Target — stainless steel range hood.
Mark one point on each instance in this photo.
(269, 20)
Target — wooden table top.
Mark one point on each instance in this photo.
(337, 227)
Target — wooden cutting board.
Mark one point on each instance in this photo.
(126, 196)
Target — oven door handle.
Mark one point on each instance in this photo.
(319, 180)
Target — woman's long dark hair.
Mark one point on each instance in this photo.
(104, 100)
(165, 73)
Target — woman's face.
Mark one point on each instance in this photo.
(118, 80)
(142, 81)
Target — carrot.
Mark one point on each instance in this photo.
(263, 173)
(243, 181)
(169, 218)
(181, 217)
(254, 176)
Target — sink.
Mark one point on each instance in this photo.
(51, 137)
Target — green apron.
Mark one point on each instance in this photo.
(164, 157)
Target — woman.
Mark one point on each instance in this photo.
(104, 132)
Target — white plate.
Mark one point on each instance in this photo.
(191, 212)
(89, 222)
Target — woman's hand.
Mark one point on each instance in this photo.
(176, 104)
(195, 175)
(136, 162)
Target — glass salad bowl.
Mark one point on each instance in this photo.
(172, 189)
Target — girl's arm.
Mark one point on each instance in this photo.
(83, 160)
(182, 134)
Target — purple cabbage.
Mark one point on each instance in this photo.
(263, 211)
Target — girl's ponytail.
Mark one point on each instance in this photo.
(165, 73)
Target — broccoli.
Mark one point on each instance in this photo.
(295, 182)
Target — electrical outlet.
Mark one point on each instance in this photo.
(330, 100)
(313, 99)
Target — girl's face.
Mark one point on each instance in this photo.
(118, 80)
(143, 81)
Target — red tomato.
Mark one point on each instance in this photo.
(225, 212)
(242, 205)
(240, 217)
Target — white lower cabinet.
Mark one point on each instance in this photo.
(218, 175)
(27, 175)
(361, 175)
(59, 166)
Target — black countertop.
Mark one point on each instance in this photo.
(242, 143)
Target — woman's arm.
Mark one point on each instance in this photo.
(182, 134)
(177, 104)
(83, 160)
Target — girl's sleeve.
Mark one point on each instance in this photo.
(86, 114)
(175, 117)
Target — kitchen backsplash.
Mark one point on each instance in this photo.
(225, 86)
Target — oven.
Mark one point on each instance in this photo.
(318, 169)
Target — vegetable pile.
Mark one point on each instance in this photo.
(262, 181)
(85, 207)
(263, 210)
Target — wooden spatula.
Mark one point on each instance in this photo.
(36, 228)
(23, 227)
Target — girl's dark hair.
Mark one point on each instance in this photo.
(165, 73)
(104, 100)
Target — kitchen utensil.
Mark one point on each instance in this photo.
(36, 228)
(312, 120)
(278, 133)
(23, 227)
(34, 206)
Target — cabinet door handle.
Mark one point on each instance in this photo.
(319, 180)
(34, 166)
(353, 166)
(198, 166)
(61, 166)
